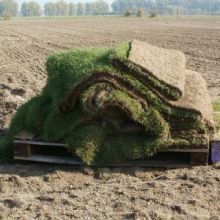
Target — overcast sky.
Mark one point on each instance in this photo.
(43, 1)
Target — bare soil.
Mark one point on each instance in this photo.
(50, 192)
(59, 192)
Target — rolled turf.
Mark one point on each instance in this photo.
(114, 104)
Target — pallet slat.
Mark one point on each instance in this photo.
(25, 135)
(50, 159)
(192, 150)
(63, 145)
(49, 152)
(39, 143)
(152, 164)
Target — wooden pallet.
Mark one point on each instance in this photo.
(38, 151)
(43, 152)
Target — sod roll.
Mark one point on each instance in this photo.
(115, 104)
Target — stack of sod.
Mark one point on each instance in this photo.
(115, 104)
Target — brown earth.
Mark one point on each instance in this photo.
(26, 44)
(58, 192)
(48, 192)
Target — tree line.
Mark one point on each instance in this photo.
(59, 8)
(62, 8)
(167, 7)
(119, 7)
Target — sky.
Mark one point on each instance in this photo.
(42, 2)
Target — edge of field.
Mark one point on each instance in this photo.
(158, 17)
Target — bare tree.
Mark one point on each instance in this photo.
(72, 9)
(30, 9)
(61, 8)
(50, 9)
(9, 7)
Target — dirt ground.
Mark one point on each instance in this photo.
(49, 192)
(34, 191)
(26, 44)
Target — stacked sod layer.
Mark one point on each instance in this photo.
(117, 104)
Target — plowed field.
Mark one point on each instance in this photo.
(36, 191)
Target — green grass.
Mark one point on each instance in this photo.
(83, 130)
(216, 106)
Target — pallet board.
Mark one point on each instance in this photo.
(51, 159)
(25, 135)
(48, 152)
(42, 152)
